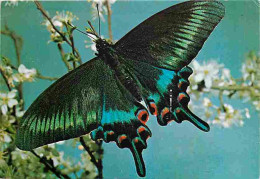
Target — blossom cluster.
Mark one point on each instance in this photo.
(60, 20)
(102, 7)
(215, 78)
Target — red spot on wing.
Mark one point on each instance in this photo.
(179, 85)
(110, 133)
(141, 129)
(164, 111)
(121, 138)
(153, 105)
(136, 140)
(142, 116)
(181, 96)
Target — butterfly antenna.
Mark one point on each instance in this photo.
(98, 20)
(82, 31)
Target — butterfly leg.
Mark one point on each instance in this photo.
(174, 103)
(131, 134)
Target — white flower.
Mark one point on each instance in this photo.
(7, 100)
(247, 114)
(207, 72)
(101, 7)
(92, 44)
(58, 21)
(7, 138)
(257, 105)
(228, 118)
(25, 74)
(207, 102)
(18, 112)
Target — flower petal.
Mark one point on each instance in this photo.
(208, 82)
(12, 102)
(198, 77)
(4, 109)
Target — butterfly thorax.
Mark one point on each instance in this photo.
(109, 55)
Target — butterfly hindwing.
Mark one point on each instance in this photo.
(171, 38)
(165, 93)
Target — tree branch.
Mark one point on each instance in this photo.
(250, 89)
(109, 13)
(46, 77)
(5, 79)
(44, 13)
(50, 166)
(18, 43)
(92, 157)
(63, 57)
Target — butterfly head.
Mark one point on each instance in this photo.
(102, 45)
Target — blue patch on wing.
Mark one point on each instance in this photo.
(165, 79)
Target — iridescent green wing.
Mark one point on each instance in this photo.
(89, 98)
(70, 107)
(171, 38)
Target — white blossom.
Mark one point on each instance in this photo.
(58, 21)
(101, 7)
(7, 100)
(91, 44)
(207, 72)
(7, 138)
(247, 114)
(228, 117)
(25, 74)
(207, 102)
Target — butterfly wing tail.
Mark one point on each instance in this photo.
(139, 162)
(186, 114)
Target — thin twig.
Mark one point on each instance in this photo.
(250, 89)
(50, 166)
(63, 57)
(5, 79)
(221, 100)
(92, 157)
(100, 164)
(73, 50)
(18, 43)
(46, 77)
(44, 13)
(109, 13)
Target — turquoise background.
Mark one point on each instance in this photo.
(175, 151)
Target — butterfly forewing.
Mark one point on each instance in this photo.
(171, 38)
(70, 107)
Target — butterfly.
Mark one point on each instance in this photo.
(113, 95)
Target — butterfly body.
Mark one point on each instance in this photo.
(113, 95)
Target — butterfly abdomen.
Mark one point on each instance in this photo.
(128, 81)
